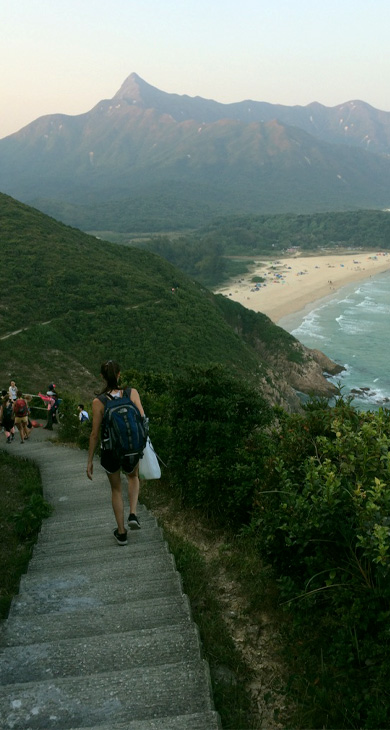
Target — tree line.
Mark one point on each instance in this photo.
(205, 254)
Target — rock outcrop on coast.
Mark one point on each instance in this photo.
(307, 374)
(288, 367)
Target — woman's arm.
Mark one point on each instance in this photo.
(137, 400)
(97, 417)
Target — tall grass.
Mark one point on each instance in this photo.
(22, 509)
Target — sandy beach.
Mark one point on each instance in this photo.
(291, 284)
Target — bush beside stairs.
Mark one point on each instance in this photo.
(100, 636)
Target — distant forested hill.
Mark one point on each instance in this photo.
(246, 234)
(69, 301)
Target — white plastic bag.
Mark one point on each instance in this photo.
(149, 468)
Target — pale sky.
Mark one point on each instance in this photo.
(64, 57)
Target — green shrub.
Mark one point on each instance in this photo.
(215, 455)
(322, 517)
(27, 522)
(71, 430)
(22, 509)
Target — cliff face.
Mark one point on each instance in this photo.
(289, 365)
(306, 376)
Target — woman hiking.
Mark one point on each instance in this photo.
(7, 418)
(111, 462)
(20, 409)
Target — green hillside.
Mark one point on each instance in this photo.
(68, 301)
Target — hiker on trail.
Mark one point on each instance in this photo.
(20, 409)
(28, 398)
(3, 394)
(7, 418)
(52, 407)
(114, 400)
(83, 414)
(13, 391)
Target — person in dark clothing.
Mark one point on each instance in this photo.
(110, 372)
(52, 409)
(7, 418)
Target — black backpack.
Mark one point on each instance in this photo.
(124, 430)
(8, 414)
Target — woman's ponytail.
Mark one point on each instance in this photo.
(110, 371)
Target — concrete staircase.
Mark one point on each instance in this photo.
(100, 636)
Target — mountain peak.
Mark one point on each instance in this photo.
(133, 89)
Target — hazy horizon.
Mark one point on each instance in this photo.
(65, 58)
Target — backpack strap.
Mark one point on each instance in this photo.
(107, 396)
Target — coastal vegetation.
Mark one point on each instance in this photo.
(308, 494)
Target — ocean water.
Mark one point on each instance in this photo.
(352, 327)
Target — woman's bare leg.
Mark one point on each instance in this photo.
(133, 489)
(117, 500)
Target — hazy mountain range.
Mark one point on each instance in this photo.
(151, 160)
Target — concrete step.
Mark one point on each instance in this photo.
(76, 523)
(94, 595)
(55, 543)
(122, 566)
(105, 550)
(68, 509)
(96, 621)
(198, 721)
(95, 654)
(71, 504)
(169, 689)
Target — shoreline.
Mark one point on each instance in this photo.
(296, 284)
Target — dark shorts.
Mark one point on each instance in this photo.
(112, 464)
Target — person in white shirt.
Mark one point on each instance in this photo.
(83, 414)
(13, 391)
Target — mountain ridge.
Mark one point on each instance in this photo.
(249, 156)
(134, 89)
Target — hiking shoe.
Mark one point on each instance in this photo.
(8, 439)
(121, 538)
(133, 522)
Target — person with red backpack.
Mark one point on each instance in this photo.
(20, 409)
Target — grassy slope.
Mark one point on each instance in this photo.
(21, 510)
(79, 300)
